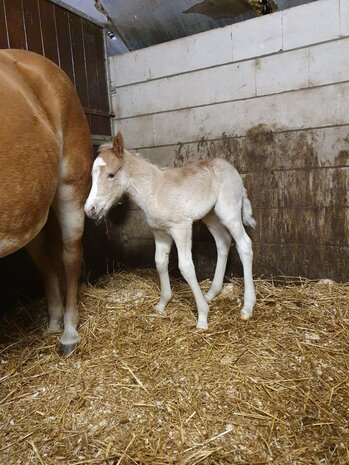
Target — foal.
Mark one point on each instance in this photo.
(172, 199)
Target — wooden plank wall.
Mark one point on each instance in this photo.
(72, 42)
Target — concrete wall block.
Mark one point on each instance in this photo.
(310, 24)
(282, 72)
(329, 63)
(129, 67)
(331, 145)
(256, 37)
(193, 52)
(325, 106)
(261, 150)
(161, 156)
(174, 127)
(137, 132)
(344, 17)
(229, 82)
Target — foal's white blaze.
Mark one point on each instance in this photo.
(96, 171)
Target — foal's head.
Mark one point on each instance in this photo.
(109, 180)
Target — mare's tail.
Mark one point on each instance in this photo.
(247, 217)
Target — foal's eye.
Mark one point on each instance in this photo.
(111, 176)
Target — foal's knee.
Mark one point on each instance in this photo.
(161, 262)
(186, 267)
(245, 246)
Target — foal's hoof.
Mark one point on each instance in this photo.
(245, 316)
(67, 349)
(160, 309)
(203, 326)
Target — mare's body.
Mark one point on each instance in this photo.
(45, 160)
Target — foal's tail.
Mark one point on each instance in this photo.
(247, 217)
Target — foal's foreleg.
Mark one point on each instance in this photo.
(223, 242)
(163, 243)
(182, 238)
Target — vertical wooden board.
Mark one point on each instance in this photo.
(15, 24)
(78, 55)
(64, 41)
(3, 28)
(101, 69)
(48, 29)
(106, 126)
(88, 117)
(100, 125)
(32, 25)
(91, 67)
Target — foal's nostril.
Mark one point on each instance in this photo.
(90, 211)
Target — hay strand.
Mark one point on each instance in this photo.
(144, 389)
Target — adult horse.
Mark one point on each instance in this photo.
(45, 164)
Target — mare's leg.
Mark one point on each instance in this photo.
(39, 249)
(163, 243)
(182, 237)
(223, 242)
(69, 211)
(228, 209)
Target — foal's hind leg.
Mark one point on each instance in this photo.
(182, 237)
(163, 242)
(223, 242)
(230, 214)
(244, 247)
(69, 210)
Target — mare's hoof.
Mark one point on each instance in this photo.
(67, 349)
(55, 328)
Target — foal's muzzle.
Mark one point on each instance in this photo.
(95, 215)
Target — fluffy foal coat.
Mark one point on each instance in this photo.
(172, 199)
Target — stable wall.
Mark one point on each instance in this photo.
(271, 95)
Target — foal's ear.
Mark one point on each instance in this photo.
(118, 144)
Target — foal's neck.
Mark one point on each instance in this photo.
(141, 175)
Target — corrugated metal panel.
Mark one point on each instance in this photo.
(141, 23)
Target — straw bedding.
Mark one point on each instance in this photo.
(145, 389)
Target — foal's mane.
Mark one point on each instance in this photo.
(104, 147)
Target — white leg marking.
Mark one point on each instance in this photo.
(182, 238)
(223, 242)
(244, 247)
(163, 242)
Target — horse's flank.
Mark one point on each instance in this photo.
(45, 159)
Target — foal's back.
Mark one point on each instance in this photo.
(191, 191)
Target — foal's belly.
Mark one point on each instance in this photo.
(179, 213)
